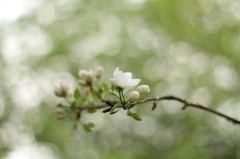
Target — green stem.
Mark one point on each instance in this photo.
(123, 97)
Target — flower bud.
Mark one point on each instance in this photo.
(134, 96)
(59, 110)
(91, 124)
(99, 71)
(83, 74)
(143, 89)
(82, 82)
(60, 116)
(91, 76)
(87, 89)
(65, 88)
(58, 92)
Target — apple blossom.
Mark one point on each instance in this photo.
(123, 80)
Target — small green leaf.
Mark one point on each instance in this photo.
(87, 128)
(126, 90)
(92, 110)
(77, 93)
(136, 117)
(73, 105)
(105, 86)
(129, 113)
(94, 92)
(113, 108)
(141, 100)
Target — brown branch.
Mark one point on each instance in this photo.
(167, 97)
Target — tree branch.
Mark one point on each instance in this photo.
(167, 97)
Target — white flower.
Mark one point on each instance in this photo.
(134, 96)
(123, 79)
(143, 89)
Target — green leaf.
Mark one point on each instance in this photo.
(126, 90)
(113, 108)
(87, 128)
(73, 105)
(92, 110)
(141, 100)
(136, 117)
(77, 93)
(129, 113)
(105, 86)
(94, 92)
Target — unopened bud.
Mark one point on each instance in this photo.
(91, 76)
(59, 110)
(58, 92)
(143, 89)
(87, 89)
(83, 74)
(134, 96)
(91, 124)
(82, 82)
(65, 87)
(60, 116)
(99, 71)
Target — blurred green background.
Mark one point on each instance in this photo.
(188, 48)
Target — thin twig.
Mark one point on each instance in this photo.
(167, 97)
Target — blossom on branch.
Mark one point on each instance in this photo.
(123, 80)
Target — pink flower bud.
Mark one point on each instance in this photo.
(58, 92)
(65, 87)
(87, 89)
(59, 110)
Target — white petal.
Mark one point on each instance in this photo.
(116, 70)
(113, 81)
(121, 79)
(128, 75)
(133, 82)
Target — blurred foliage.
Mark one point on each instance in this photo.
(181, 47)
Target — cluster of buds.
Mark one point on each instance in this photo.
(62, 90)
(87, 77)
(136, 94)
(122, 80)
